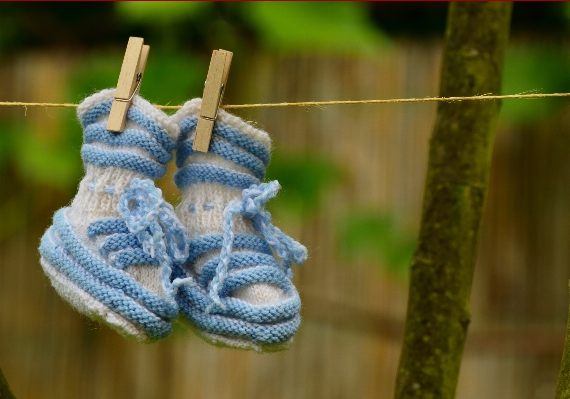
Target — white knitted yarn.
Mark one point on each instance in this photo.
(216, 196)
(138, 102)
(192, 108)
(89, 306)
(98, 197)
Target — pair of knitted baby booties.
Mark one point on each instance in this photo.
(122, 255)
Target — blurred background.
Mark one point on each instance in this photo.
(352, 180)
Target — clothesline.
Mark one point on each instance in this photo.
(318, 103)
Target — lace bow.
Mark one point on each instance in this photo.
(252, 206)
(153, 222)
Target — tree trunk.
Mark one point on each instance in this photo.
(456, 186)
(563, 385)
(5, 391)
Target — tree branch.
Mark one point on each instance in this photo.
(563, 384)
(5, 391)
(456, 186)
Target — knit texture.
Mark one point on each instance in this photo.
(110, 253)
(242, 297)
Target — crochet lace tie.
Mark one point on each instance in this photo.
(153, 222)
(252, 206)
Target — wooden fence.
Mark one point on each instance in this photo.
(348, 345)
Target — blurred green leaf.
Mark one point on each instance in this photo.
(8, 31)
(50, 162)
(169, 78)
(528, 68)
(6, 143)
(96, 71)
(567, 12)
(375, 236)
(176, 78)
(46, 162)
(159, 12)
(14, 216)
(305, 179)
(321, 27)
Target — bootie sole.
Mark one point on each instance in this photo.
(225, 341)
(86, 304)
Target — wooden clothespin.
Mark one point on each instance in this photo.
(212, 98)
(129, 83)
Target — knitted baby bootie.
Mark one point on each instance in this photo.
(241, 297)
(110, 253)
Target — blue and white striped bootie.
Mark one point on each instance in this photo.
(110, 253)
(242, 296)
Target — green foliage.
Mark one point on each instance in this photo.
(96, 71)
(169, 78)
(8, 31)
(567, 12)
(289, 27)
(174, 78)
(6, 143)
(376, 237)
(51, 162)
(306, 179)
(14, 217)
(363, 235)
(540, 68)
(46, 162)
(159, 12)
(324, 28)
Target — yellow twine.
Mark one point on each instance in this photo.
(320, 103)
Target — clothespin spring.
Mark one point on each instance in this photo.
(135, 91)
(209, 118)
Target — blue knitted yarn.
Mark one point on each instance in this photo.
(147, 233)
(104, 148)
(62, 246)
(209, 303)
(207, 173)
(229, 144)
(93, 277)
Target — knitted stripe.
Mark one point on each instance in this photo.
(140, 118)
(154, 141)
(234, 327)
(122, 159)
(117, 242)
(225, 150)
(237, 260)
(208, 173)
(203, 244)
(129, 257)
(135, 115)
(230, 134)
(107, 226)
(126, 248)
(198, 300)
(252, 275)
(99, 269)
(95, 112)
(53, 250)
(129, 137)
